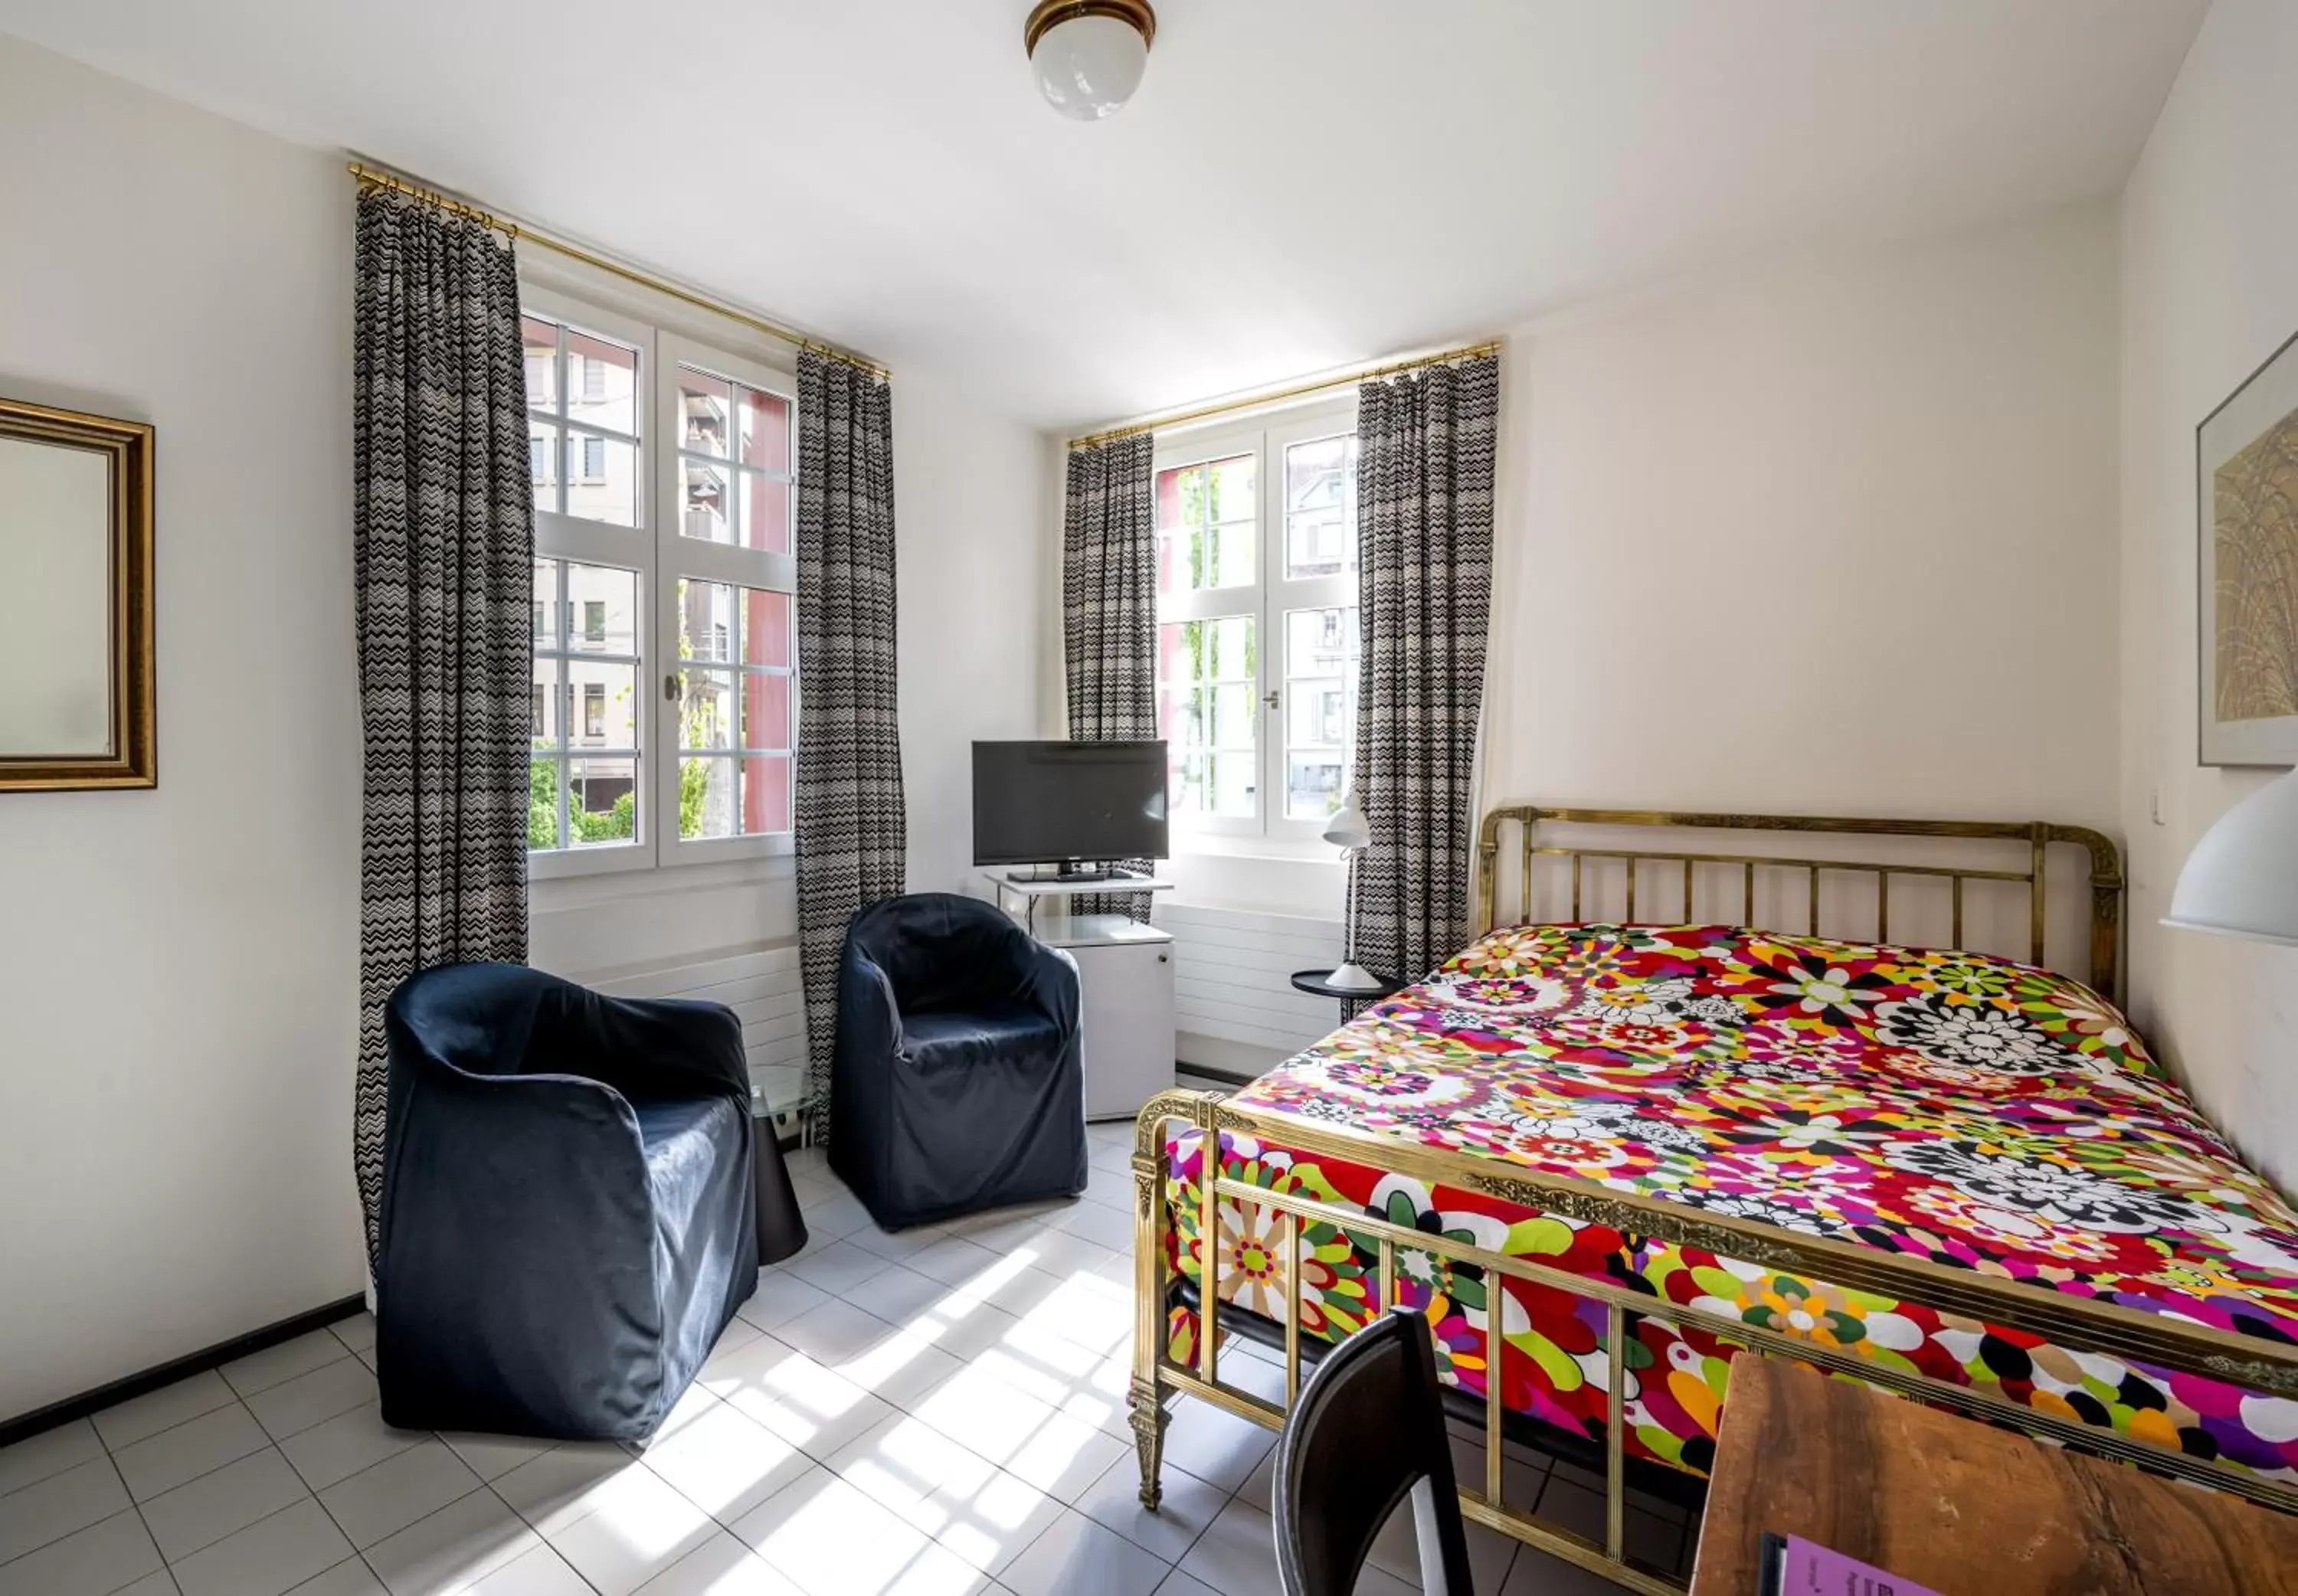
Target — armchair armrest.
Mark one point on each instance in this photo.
(866, 1001)
(1049, 983)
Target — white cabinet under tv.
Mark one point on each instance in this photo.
(1125, 975)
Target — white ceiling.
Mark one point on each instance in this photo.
(1300, 184)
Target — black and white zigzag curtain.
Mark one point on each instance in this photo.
(1425, 574)
(1109, 610)
(851, 826)
(443, 520)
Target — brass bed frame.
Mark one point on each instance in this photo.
(2073, 1322)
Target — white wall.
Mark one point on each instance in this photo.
(2209, 288)
(1833, 540)
(976, 610)
(178, 968)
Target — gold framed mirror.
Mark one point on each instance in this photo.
(76, 663)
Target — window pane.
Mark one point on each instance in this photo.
(546, 604)
(769, 634)
(1320, 642)
(1185, 779)
(1315, 714)
(1180, 508)
(728, 796)
(602, 801)
(547, 697)
(540, 339)
(544, 451)
(1321, 686)
(765, 796)
(706, 803)
(705, 406)
(1228, 558)
(1312, 787)
(602, 382)
(604, 697)
(706, 708)
(602, 479)
(1209, 714)
(767, 711)
(705, 509)
(1319, 545)
(711, 698)
(542, 803)
(1206, 527)
(1235, 777)
(604, 607)
(708, 626)
(1235, 709)
(1230, 493)
(1321, 513)
(766, 513)
(764, 420)
(1229, 649)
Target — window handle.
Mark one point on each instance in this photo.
(1272, 698)
(670, 686)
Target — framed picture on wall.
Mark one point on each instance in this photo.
(2247, 480)
(76, 661)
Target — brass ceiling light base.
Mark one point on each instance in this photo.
(1052, 14)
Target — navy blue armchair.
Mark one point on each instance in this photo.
(568, 1215)
(957, 1084)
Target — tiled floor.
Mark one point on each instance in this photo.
(933, 1413)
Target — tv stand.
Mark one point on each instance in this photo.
(1125, 975)
(1072, 875)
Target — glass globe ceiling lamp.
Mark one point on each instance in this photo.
(1089, 55)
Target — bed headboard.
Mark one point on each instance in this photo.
(1991, 851)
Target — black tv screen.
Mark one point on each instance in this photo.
(1038, 803)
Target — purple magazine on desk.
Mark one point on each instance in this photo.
(1794, 1566)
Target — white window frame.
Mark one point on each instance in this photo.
(660, 554)
(700, 560)
(1267, 600)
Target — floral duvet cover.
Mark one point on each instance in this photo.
(1948, 1105)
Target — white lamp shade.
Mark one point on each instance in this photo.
(1088, 67)
(1348, 828)
(2241, 878)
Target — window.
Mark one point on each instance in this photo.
(1257, 623)
(737, 621)
(666, 673)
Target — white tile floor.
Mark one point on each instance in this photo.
(934, 1413)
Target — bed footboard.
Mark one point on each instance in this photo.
(2075, 1323)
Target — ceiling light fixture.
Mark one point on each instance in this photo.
(1089, 55)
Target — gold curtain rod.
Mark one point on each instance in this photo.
(368, 177)
(1301, 391)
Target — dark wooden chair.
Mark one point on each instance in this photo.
(1367, 1431)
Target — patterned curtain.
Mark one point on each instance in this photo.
(1425, 573)
(444, 522)
(852, 832)
(1109, 612)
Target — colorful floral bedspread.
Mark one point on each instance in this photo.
(1948, 1105)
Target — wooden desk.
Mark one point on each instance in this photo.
(1963, 1507)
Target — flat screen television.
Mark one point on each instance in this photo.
(1067, 802)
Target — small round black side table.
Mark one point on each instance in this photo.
(1352, 998)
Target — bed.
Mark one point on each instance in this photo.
(1653, 1142)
